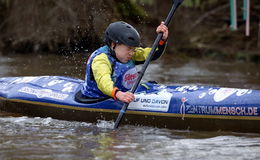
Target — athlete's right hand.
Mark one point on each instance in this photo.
(126, 97)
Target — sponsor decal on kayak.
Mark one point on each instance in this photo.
(185, 89)
(54, 82)
(68, 87)
(183, 107)
(152, 102)
(219, 94)
(3, 85)
(41, 93)
(222, 110)
(223, 93)
(25, 79)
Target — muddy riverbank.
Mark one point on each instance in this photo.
(66, 27)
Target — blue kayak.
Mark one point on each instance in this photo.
(190, 107)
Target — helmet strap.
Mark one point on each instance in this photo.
(112, 51)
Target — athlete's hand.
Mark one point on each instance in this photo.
(126, 97)
(164, 29)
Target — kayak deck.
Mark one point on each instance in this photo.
(173, 107)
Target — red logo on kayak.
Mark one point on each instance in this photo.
(183, 99)
(183, 107)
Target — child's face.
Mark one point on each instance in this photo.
(124, 53)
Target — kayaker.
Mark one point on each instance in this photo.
(111, 69)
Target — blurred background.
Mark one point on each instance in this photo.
(200, 28)
(211, 42)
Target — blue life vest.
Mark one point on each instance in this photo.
(123, 75)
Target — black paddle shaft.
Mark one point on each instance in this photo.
(175, 5)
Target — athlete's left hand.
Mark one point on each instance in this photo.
(164, 29)
(126, 97)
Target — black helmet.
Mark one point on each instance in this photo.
(123, 33)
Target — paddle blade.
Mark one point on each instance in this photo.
(175, 5)
(177, 2)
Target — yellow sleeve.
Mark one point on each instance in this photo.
(102, 71)
(140, 54)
